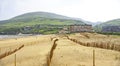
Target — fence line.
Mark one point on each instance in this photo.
(10, 52)
(50, 55)
(102, 45)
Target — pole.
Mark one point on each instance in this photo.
(15, 59)
(93, 57)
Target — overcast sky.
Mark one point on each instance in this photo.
(90, 10)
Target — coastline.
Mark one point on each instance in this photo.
(14, 36)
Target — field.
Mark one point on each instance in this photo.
(43, 50)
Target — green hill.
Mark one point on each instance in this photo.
(115, 22)
(35, 19)
(39, 18)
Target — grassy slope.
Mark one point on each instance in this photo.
(115, 22)
(45, 21)
(35, 18)
(39, 18)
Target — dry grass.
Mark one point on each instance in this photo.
(97, 40)
(33, 54)
(67, 52)
(9, 52)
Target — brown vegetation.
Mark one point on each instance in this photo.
(46, 50)
(50, 55)
(10, 52)
(104, 45)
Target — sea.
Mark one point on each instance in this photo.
(12, 36)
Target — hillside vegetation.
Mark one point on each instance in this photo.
(34, 19)
(115, 22)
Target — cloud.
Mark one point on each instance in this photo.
(7, 9)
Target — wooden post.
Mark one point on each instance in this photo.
(48, 60)
(0, 50)
(93, 57)
(15, 60)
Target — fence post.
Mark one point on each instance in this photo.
(48, 60)
(15, 60)
(0, 50)
(93, 57)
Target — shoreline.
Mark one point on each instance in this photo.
(15, 36)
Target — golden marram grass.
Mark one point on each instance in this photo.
(66, 53)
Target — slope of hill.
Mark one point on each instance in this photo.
(40, 18)
(115, 22)
(35, 20)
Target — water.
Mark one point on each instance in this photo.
(8, 36)
(11, 36)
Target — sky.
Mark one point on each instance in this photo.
(90, 10)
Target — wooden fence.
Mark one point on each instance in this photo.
(102, 45)
(50, 54)
(10, 52)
